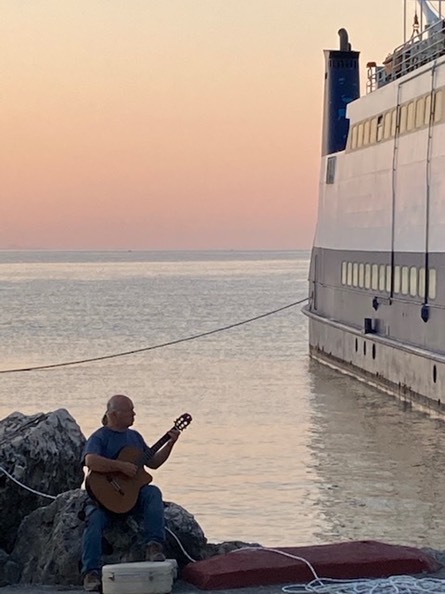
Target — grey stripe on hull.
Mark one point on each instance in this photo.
(407, 373)
(397, 317)
(403, 354)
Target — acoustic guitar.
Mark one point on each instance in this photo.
(117, 492)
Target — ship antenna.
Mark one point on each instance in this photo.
(415, 32)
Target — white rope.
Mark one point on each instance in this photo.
(24, 486)
(180, 545)
(401, 584)
(398, 584)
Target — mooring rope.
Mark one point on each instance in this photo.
(12, 478)
(156, 346)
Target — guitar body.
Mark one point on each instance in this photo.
(115, 491)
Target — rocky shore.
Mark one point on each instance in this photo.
(40, 537)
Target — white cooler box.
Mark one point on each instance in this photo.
(145, 577)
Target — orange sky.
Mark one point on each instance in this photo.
(169, 124)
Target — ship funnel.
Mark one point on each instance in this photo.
(341, 86)
(345, 46)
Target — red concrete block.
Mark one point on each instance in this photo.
(348, 560)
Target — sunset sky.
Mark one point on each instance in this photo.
(170, 124)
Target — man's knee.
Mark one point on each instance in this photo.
(96, 518)
(150, 493)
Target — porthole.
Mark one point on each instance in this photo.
(364, 348)
(434, 374)
(356, 345)
(373, 351)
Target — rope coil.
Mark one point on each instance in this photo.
(399, 584)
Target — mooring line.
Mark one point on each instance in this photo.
(156, 346)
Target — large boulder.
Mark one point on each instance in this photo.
(48, 545)
(40, 451)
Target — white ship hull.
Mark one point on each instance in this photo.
(377, 279)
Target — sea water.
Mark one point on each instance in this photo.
(281, 450)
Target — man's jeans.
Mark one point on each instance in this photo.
(149, 506)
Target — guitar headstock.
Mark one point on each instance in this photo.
(183, 421)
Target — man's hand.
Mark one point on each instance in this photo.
(128, 468)
(174, 434)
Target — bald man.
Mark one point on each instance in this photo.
(100, 455)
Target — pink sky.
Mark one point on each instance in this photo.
(169, 124)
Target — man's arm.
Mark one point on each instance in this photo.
(161, 456)
(101, 464)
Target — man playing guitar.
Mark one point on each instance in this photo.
(100, 455)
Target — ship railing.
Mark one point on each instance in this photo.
(419, 50)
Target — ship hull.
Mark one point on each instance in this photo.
(413, 375)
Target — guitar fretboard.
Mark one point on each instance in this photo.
(151, 451)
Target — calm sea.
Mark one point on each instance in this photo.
(281, 451)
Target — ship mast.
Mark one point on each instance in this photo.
(428, 11)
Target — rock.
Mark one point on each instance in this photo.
(223, 548)
(437, 554)
(48, 545)
(9, 571)
(43, 452)
(3, 560)
(187, 530)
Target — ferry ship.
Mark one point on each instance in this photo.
(376, 307)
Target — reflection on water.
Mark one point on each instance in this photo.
(380, 466)
(281, 450)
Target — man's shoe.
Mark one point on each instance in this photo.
(92, 582)
(154, 551)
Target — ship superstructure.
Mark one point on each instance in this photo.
(377, 276)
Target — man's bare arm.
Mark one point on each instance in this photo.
(101, 464)
(161, 456)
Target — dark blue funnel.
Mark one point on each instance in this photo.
(341, 86)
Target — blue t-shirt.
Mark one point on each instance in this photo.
(108, 443)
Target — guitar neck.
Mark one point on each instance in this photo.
(156, 447)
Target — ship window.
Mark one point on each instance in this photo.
(405, 280)
(410, 113)
(366, 129)
(432, 283)
(393, 122)
(402, 119)
(375, 277)
(360, 135)
(330, 170)
(422, 282)
(379, 128)
(354, 137)
(388, 278)
(382, 277)
(373, 132)
(397, 279)
(355, 274)
(413, 281)
(387, 126)
(420, 112)
(438, 106)
(367, 276)
(427, 109)
(361, 275)
(343, 273)
(349, 277)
